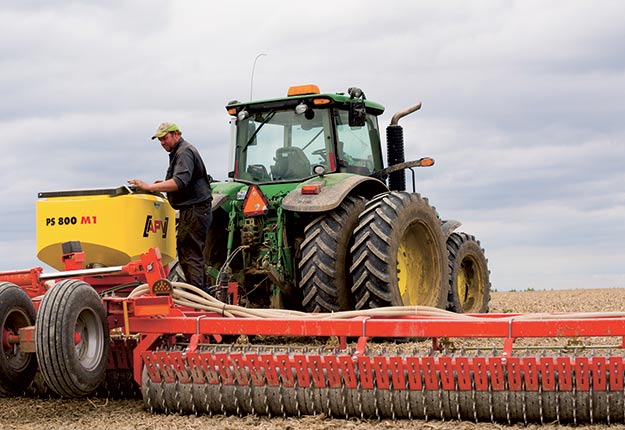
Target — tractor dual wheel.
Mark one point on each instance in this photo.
(72, 338)
(468, 275)
(326, 259)
(399, 254)
(17, 368)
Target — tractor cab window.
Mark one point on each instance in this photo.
(355, 147)
(282, 145)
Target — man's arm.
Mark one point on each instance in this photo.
(159, 186)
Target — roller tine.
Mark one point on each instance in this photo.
(235, 394)
(344, 396)
(590, 397)
(177, 396)
(296, 390)
(507, 391)
(362, 415)
(558, 394)
(574, 402)
(266, 399)
(425, 409)
(456, 389)
(490, 401)
(221, 397)
(473, 401)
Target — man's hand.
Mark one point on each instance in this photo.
(140, 184)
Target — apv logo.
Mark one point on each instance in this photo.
(155, 225)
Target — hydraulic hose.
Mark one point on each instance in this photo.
(193, 297)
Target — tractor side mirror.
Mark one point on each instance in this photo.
(357, 113)
(357, 110)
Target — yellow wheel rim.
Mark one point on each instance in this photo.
(418, 267)
(470, 285)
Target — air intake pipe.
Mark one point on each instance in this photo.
(395, 148)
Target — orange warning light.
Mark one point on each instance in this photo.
(314, 188)
(255, 202)
(426, 162)
(300, 90)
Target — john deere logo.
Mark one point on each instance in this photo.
(154, 226)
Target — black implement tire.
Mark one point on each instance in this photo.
(469, 277)
(399, 255)
(326, 259)
(17, 368)
(72, 338)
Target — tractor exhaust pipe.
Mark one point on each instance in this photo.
(395, 148)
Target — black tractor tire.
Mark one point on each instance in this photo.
(399, 254)
(72, 338)
(469, 277)
(17, 368)
(325, 279)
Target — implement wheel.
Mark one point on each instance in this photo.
(72, 338)
(469, 275)
(17, 368)
(399, 254)
(326, 259)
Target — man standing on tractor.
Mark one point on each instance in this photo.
(187, 185)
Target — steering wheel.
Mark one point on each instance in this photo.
(322, 153)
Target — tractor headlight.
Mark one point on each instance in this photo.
(242, 115)
(319, 169)
(301, 108)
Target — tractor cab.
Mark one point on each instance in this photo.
(305, 134)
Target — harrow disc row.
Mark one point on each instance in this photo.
(571, 389)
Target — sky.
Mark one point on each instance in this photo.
(523, 108)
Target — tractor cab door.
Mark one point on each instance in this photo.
(358, 147)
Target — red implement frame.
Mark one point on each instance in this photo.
(435, 372)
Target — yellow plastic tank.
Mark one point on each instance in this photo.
(114, 226)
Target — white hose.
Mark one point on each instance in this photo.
(190, 296)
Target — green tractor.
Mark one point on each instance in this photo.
(307, 221)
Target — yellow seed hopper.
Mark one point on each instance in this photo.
(113, 225)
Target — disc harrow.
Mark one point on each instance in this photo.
(404, 384)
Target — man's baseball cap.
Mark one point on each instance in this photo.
(165, 128)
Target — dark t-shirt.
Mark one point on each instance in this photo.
(187, 169)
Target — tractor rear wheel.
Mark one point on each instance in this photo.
(72, 338)
(326, 259)
(17, 368)
(468, 274)
(399, 255)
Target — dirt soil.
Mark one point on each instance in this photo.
(57, 414)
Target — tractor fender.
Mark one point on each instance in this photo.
(334, 189)
(223, 192)
(218, 200)
(449, 226)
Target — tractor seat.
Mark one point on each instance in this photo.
(291, 163)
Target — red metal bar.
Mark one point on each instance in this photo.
(27, 279)
(415, 327)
